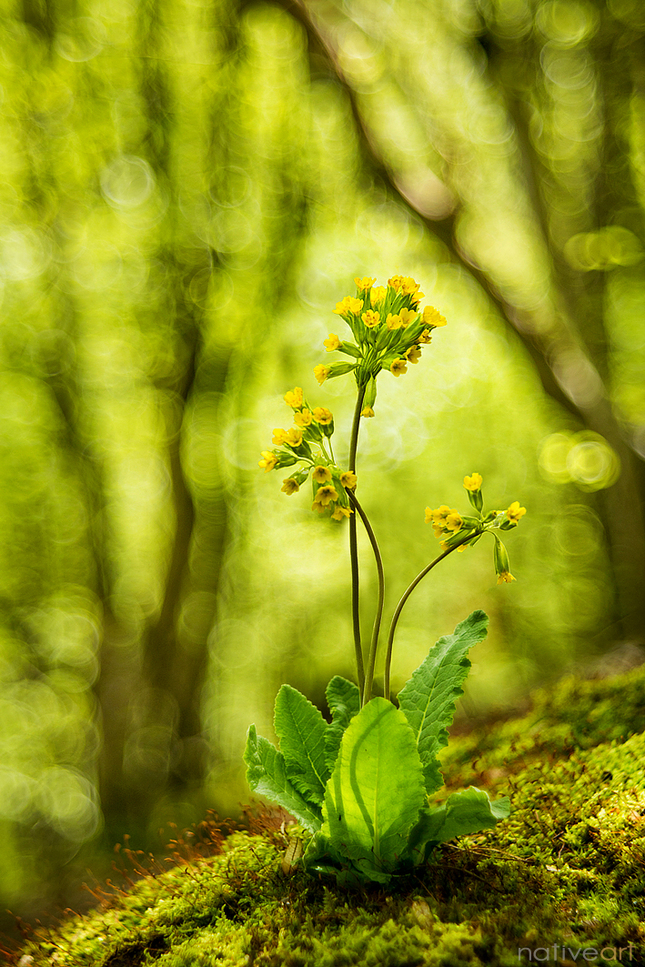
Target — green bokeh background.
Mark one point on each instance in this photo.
(187, 189)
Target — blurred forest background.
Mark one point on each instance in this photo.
(187, 188)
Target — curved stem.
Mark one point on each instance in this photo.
(353, 549)
(399, 609)
(371, 661)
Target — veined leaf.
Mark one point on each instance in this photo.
(468, 811)
(344, 703)
(267, 775)
(428, 699)
(376, 790)
(301, 729)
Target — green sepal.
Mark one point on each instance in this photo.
(428, 700)
(267, 775)
(476, 499)
(349, 349)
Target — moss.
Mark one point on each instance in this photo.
(568, 869)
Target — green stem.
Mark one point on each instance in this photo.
(371, 661)
(353, 548)
(399, 609)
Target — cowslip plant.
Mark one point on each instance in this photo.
(361, 785)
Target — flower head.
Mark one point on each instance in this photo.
(407, 316)
(409, 286)
(395, 282)
(340, 512)
(324, 496)
(454, 521)
(279, 437)
(347, 305)
(348, 479)
(371, 318)
(378, 294)
(515, 512)
(505, 577)
(424, 337)
(364, 283)
(321, 475)
(413, 354)
(473, 482)
(293, 436)
(321, 373)
(323, 416)
(290, 486)
(432, 317)
(294, 398)
(393, 321)
(367, 412)
(303, 418)
(269, 460)
(399, 366)
(332, 343)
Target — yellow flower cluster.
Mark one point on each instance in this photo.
(457, 531)
(388, 330)
(308, 443)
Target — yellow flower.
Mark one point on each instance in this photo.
(432, 317)
(321, 475)
(409, 286)
(454, 521)
(303, 418)
(340, 512)
(393, 322)
(515, 512)
(399, 366)
(439, 515)
(367, 412)
(323, 416)
(473, 483)
(378, 294)
(425, 337)
(414, 302)
(321, 373)
(294, 436)
(324, 496)
(407, 316)
(279, 437)
(348, 480)
(395, 282)
(364, 283)
(269, 461)
(505, 577)
(290, 486)
(348, 304)
(332, 343)
(413, 354)
(294, 398)
(371, 319)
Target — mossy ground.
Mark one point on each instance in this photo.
(567, 869)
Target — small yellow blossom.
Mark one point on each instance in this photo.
(473, 483)
(348, 480)
(340, 512)
(515, 512)
(348, 304)
(269, 460)
(439, 515)
(413, 354)
(321, 475)
(505, 577)
(454, 521)
(407, 316)
(367, 412)
(378, 294)
(393, 322)
(321, 373)
(303, 418)
(293, 436)
(432, 317)
(364, 283)
(395, 282)
(324, 496)
(409, 286)
(323, 416)
(371, 319)
(332, 343)
(399, 366)
(290, 486)
(279, 437)
(425, 337)
(294, 398)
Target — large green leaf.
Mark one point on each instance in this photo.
(428, 699)
(468, 811)
(267, 775)
(376, 790)
(301, 729)
(344, 703)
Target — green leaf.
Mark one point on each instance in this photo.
(428, 699)
(468, 811)
(301, 729)
(344, 703)
(266, 775)
(375, 793)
